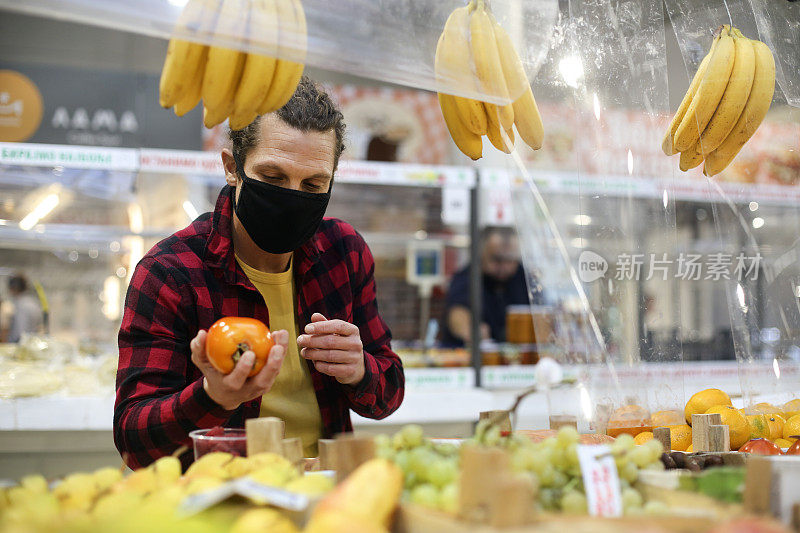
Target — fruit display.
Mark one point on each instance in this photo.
(228, 338)
(727, 99)
(234, 84)
(365, 501)
(694, 462)
(762, 421)
(476, 53)
(760, 446)
(431, 470)
(147, 499)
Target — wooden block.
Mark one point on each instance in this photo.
(700, 425)
(327, 454)
(264, 435)
(513, 502)
(502, 419)
(559, 421)
(293, 451)
(664, 436)
(352, 452)
(758, 485)
(481, 471)
(719, 439)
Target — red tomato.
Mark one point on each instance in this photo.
(230, 337)
(794, 449)
(760, 447)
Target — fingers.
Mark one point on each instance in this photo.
(330, 342)
(331, 327)
(340, 372)
(281, 337)
(318, 317)
(330, 356)
(266, 377)
(198, 348)
(238, 375)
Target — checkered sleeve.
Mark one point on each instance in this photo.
(159, 396)
(381, 390)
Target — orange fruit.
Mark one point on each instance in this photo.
(775, 423)
(737, 424)
(790, 409)
(783, 443)
(764, 408)
(791, 428)
(680, 437)
(759, 426)
(702, 401)
(643, 437)
(662, 419)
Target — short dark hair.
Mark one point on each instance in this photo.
(309, 109)
(505, 232)
(17, 283)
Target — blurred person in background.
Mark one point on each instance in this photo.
(503, 282)
(22, 313)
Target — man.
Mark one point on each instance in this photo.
(265, 252)
(503, 280)
(24, 315)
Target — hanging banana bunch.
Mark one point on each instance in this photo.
(476, 53)
(233, 84)
(726, 101)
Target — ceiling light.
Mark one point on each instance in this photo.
(42, 209)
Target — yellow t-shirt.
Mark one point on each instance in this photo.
(292, 396)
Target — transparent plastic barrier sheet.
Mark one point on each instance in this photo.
(387, 40)
(754, 214)
(614, 220)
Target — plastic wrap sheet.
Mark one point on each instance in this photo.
(756, 233)
(601, 252)
(387, 40)
(775, 23)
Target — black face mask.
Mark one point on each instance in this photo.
(278, 220)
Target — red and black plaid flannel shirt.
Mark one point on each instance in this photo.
(190, 280)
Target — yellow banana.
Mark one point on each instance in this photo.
(224, 65)
(452, 66)
(753, 113)
(667, 145)
(216, 115)
(183, 57)
(258, 68)
(292, 21)
(487, 64)
(469, 143)
(734, 98)
(526, 112)
(708, 94)
(370, 494)
(691, 157)
(502, 140)
(191, 97)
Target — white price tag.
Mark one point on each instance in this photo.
(600, 480)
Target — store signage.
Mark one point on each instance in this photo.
(20, 106)
(68, 156)
(93, 108)
(181, 162)
(600, 480)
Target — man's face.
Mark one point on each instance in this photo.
(500, 257)
(287, 157)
